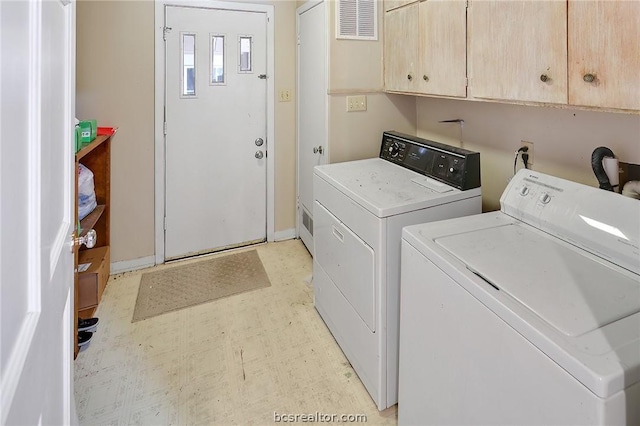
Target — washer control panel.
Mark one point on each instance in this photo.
(602, 222)
(527, 191)
(454, 166)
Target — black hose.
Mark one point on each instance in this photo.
(596, 164)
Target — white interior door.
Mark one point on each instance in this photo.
(216, 144)
(312, 109)
(37, 93)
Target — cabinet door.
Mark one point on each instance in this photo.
(443, 48)
(401, 49)
(604, 42)
(393, 4)
(518, 50)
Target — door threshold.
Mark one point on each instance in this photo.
(225, 249)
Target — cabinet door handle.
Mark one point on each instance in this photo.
(589, 78)
(409, 77)
(544, 78)
(425, 78)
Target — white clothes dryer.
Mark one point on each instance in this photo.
(359, 210)
(528, 315)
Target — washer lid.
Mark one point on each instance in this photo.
(386, 189)
(572, 290)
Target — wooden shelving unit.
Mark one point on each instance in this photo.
(90, 221)
(89, 284)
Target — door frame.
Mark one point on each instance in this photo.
(310, 4)
(160, 103)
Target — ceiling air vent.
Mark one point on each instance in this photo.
(357, 19)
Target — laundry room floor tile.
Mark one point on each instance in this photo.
(236, 360)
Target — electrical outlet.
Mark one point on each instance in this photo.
(284, 95)
(529, 145)
(356, 103)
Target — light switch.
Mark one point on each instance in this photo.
(284, 95)
(356, 103)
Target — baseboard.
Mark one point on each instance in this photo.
(132, 265)
(287, 234)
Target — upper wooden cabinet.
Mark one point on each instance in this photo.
(401, 48)
(443, 48)
(518, 50)
(604, 53)
(425, 48)
(575, 52)
(392, 4)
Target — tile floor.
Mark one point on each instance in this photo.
(236, 360)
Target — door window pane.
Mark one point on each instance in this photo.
(245, 53)
(217, 59)
(188, 77)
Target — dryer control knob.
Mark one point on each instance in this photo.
(394, 149)
(524, 190)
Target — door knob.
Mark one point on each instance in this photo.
(89, 240)
(318, 149)
(259, 155)
(259, 142)
(589, 78)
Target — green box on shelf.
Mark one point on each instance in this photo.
(88, 129)
(78, 138)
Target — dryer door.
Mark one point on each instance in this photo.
(348, 261)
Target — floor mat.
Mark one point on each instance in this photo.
(200, 282)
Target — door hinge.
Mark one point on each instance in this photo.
(466, 82)
(165, 31)
(164, 225)
(164, 128)
(298, 40)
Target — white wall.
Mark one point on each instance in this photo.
(356, 68)
(563, 138)
(115, 85)
(358, 135)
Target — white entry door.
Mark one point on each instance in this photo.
(216, 144)
(312, 109)
(37, 94)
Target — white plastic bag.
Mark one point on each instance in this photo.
(86, 192)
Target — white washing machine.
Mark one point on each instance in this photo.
(359, 210)
(528, 315)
